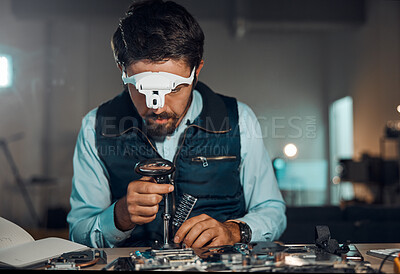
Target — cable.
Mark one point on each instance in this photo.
(385, 259)
(111, 264)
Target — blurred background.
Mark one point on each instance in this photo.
(322, 76)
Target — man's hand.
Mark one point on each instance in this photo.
(140, 205)
(203, 230)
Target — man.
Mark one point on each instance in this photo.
(213, 140)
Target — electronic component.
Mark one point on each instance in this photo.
(77, 259)
(183, 211)
(165, 259)
(382, 253)
(63, 266)
(255, 257)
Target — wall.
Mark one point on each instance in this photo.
(21, 107)
(365, 64)
(278, 74)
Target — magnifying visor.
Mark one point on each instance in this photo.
(155, 85)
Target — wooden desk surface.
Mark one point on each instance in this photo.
(113, 253)
(375, 262)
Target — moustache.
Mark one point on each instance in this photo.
(163, 115)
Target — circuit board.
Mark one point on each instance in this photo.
(255, 257)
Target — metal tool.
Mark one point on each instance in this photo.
(159, 169)
(183, 211)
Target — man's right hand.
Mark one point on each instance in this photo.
(140, 205)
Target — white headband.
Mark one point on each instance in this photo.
(155, 85)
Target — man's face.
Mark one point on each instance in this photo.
(163, 121)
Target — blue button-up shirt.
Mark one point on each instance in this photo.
(91, 219)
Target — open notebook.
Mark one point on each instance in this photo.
(19, 249)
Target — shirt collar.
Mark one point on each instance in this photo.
(194, 109)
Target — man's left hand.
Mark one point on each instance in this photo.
(202, 230)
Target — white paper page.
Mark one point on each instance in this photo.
(12, 234)
(38, 251)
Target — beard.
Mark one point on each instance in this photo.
(159, 131)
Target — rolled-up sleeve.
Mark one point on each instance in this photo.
(264, 203)
(91, 219)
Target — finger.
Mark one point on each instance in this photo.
(197, 230)
(215, 242)
(205, 238)
(143, 199)
(144, 211)
(148, 179)
(187, 225)
(146, 187)
(140, 220)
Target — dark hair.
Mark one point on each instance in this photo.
(157, 30)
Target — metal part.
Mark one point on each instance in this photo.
(255, 257)
(63, 266)
(183, 211)
(159, 169)
(77, 259)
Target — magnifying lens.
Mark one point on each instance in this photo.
(157, 168)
